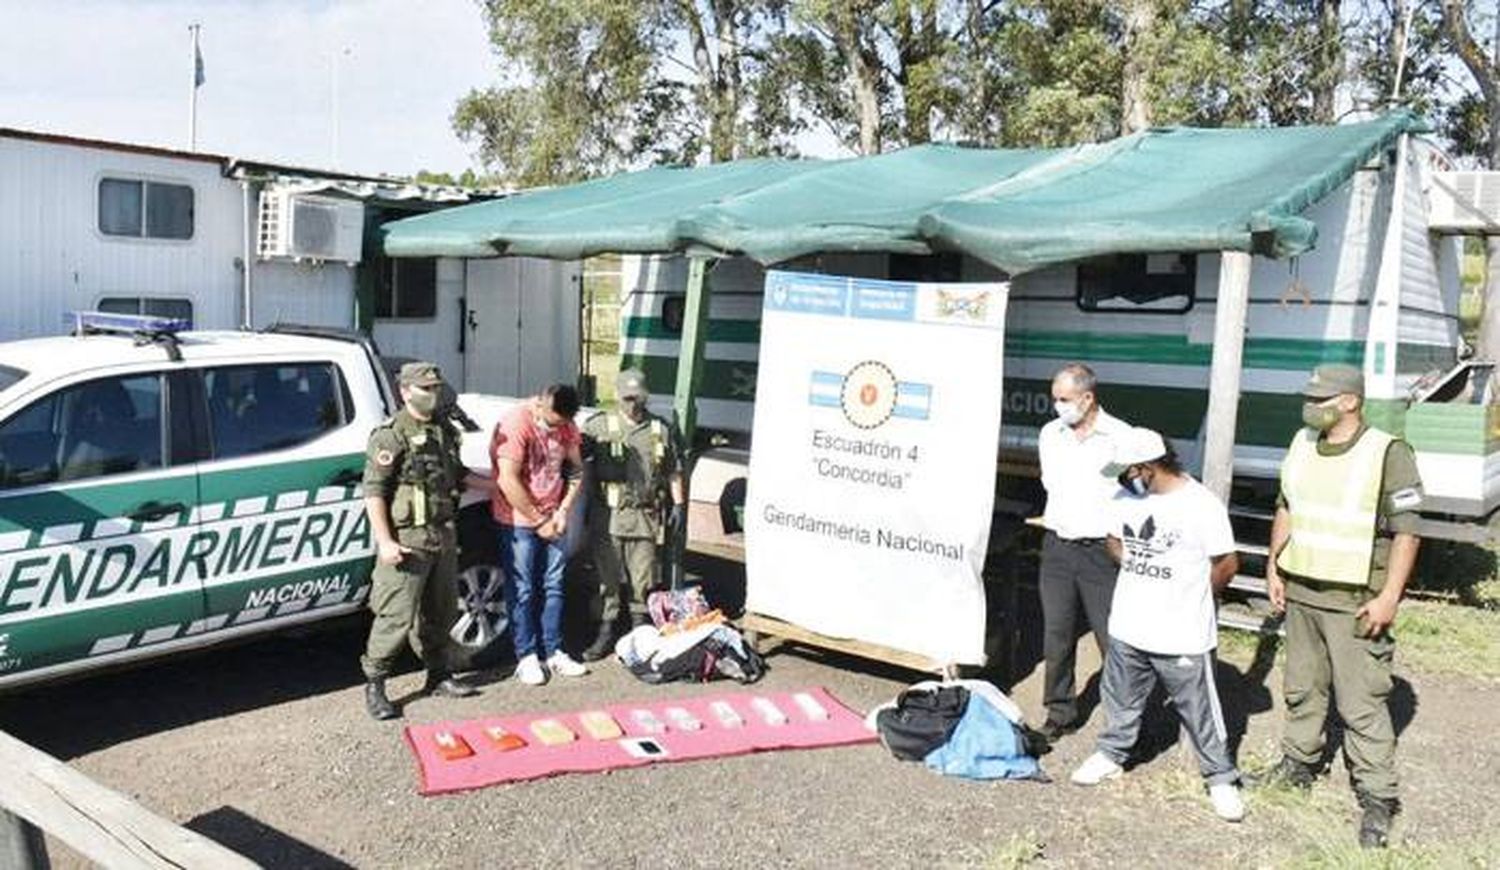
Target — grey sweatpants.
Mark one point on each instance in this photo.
(1129, 676)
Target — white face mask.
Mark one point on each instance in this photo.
(541, 424)
(1068, 412)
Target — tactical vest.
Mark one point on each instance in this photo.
(1334, 502)
(616, 493)
(426, 487)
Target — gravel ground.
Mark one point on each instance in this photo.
(266, 748)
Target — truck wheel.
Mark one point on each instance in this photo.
(481, 612)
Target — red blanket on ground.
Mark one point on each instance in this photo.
(488, 764)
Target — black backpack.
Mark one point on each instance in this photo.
(921, 721)
(723, 653)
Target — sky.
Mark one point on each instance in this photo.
(122, 70)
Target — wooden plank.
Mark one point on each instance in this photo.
(1242, 621)
(1224, 376)
(99, 823)
(719, 550)
(1247, 583)
(755, 622)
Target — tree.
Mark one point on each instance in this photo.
(1484, 66)
(1139, 64)
(594, 86)
(1328, 61)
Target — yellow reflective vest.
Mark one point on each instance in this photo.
(614, 491)
(1333, 502)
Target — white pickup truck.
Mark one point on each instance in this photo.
(162, 491)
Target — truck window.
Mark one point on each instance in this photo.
(1137, 282)
(107, 426)
(259, 408)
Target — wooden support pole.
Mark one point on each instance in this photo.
(690, 354)
(1224, 376)
(685, 396)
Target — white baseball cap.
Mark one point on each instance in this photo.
(1136, 445)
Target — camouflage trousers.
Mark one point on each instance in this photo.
(415, 602)
(1326, 661)
(627, 569)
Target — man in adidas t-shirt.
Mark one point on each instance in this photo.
(1176, 549)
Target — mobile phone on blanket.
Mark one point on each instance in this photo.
(643, 747)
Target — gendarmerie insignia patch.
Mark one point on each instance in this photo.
(1406, 499)
(385, 457)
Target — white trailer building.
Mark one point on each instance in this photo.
(230, 243)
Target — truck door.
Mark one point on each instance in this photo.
(97, 495)
(280, 491)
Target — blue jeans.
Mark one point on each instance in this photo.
(528, 561)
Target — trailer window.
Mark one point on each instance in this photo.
(408, 289)
(1138, 282)
(178, 309)
(145, 209)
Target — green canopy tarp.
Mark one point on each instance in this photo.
(1171, 189)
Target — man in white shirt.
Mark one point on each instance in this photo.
(1077, 576)
(1176, 549)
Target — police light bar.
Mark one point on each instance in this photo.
(103, 321)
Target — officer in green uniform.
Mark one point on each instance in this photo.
(413, 478)
(1343, 543)
(637, 501)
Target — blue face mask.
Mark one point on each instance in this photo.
(1133, 485)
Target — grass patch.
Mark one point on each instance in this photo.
(1238, 647)
(1400, 856)
(1449, 639)
(1019, 850)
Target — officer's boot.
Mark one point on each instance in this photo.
(1288, 773)
(604, 641)
(378, 705)
(1375, 823)
(444, 684)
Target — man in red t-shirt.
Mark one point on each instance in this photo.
(538, 468)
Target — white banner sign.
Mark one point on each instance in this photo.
(872, 463)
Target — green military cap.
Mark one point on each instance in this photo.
(421, 374)
(1334, 379)
(631, 383)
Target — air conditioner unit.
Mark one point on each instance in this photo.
(1464, 202)
(299, 226)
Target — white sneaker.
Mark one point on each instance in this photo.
(1227, 803)
(529, 671)
(1096, 769)
(565, 665)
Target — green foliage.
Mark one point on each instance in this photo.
(467, 178)
(595, 86)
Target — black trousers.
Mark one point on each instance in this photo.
(1076, 586)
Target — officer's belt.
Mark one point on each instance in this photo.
(629, 503)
